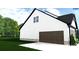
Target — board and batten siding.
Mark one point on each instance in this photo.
(30, 31)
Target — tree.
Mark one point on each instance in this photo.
(8, 28)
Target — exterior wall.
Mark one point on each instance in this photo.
(46, 23)
(72, 31)
(73, 24)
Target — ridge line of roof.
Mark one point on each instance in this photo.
(46, 13)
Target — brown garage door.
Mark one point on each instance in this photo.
(52, 37)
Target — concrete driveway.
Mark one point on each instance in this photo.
(49, 46)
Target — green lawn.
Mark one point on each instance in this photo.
(14, 46)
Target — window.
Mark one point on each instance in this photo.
(36, 19)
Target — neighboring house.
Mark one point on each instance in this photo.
(47, 27)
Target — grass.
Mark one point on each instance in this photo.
(14, 46)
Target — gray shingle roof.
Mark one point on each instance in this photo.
(68, 19)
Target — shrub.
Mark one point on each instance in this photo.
(10, 36)
(72, 40)
(77, 36)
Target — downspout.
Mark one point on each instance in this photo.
(69, 34)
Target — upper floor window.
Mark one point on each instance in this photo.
(36, 19)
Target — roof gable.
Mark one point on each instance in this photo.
(65, 18)
(27, 18)
(68, 19)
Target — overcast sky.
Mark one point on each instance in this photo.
(20, 14)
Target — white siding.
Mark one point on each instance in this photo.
(46, 23)
(73, 24)
(72, 31)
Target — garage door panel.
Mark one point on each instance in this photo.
(52, 37)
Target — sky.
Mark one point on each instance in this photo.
(21, 14)
(18, 14)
